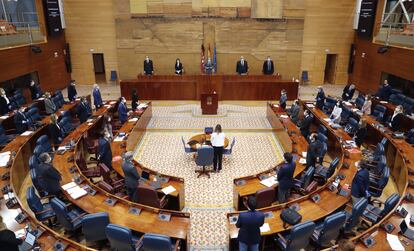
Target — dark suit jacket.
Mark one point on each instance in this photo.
(21, 122)
(360, 136)
(347, 94)
(84, 111)
(320, 99)
(294, 113)
(131, 174)
(97, 98)
(266, 69)
(49, 178)
(285, 175)
(249, 224)
(8, 241)
(122, 112)
(4, 107)
(242, 69)
(72, 92)
(360, 183)
(35, 91)
(396, 122)
(178, 68)
(56, 133)
(148, 67)
(105, 152)
(384, 92)
(312, 153)
(134, 102)
(305, 124)
(50, 106)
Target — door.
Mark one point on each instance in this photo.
(99, 67)
(330, 68)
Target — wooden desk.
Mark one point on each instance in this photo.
(407, 123)
(228, 87)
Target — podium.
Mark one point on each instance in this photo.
(209, 103)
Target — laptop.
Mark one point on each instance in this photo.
(28, 242)
(145, 176)
(407, 232)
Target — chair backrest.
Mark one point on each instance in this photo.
(307, 177)
(148, 196)
(205, 155)
(408, 105)
(330, 229)
(182, 140)
(66, 124)
(357, 211)
(156, 242)
(346, 112)
(352, 125)
(38, 150)
(33, 162)
(389, 204)
(382, 182)
(80, 161)
(379, 112)
(45, 143)
(322, 129)
(359, 101)
(332, 167)
(105, 186)
(305, 76)
(34, 201)
(94, 225)
(35, 180)
(105, 172)
(265, 197)
(322, 138)
(396, 91)
(323, 150)
(410, 133)
(61, 213)
(381, 164)
(300, 235)
(232, 144)
(379, 150)
(119, 237)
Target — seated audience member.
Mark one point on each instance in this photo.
(305, 123)
(35, 90)
(366, 107)
(21, 121)
(385, 91)
(178, 67)
(249, 224)
(361, 133)
(5, 104)
(8, 240)
(242, 67)
(148, 66)
(134, 100)
(97, 98)
(72, 93)
(131, 176)
(49, 177)
(313, 151)
(283, 99)
(320, 98)
(122, 110)
(268, 66)
(360, 183)
(348, 92)
(50, 106)
(107, 128)
(285, 177)
(336, 113)
(209, 67)
(396, 118)
(84, 110)
(294, 111)
(104, 150)
(55, 130)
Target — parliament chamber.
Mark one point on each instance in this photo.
(206, 125)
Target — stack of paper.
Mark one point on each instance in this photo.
(269, 182)
(74, 190)
(304, 154)
(107, 106)
(327, 120)
(133, 120)
(284, 116)
(265, 228)
(169, 189)
(119, 138)
(142, 106)
(4, 158)
(26, 133)
(310, 105)
(112, 102)
(394, 242)
(68, 186)
(302, 161)
(383, 102)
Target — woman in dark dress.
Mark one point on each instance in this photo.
(134, 99)
(8, 240)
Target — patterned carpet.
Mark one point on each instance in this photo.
(208, 200)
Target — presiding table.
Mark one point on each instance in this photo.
(200, 139)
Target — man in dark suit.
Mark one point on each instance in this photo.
(285, 177)
(313, 151)
(305, 123)
(131, 176)
(84, 110)
(56, 132)
(8, 240)
(178, 67)
(72, 93)
(360, 183)
(122, 110)
(97, 98)
(268, 66)
(249, 224)
(294, 111)
(104, 150)
(396, 118)
(384, 92)
(242, 67)
(35, 90)
(320, 98)
(5, 104)
(21, 121)
(348, 92)
(148, 67)
(49, 177)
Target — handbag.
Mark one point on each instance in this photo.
(290, 217)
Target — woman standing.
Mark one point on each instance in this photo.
(366, 107)
(217, 141)
(336, 113)
(134, 99)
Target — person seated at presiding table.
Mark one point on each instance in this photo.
(84, 110)
(320, 98)
(72, 93)
(49, 177)
(209, 67)
(35, 90)
(21, 121)
(97, 98)
(5, 105)
(361, 133)
(50, 106)
(104, 150)
(366, 107)
(8, 240)
(285, 177)
(385, 91)
(360, 183)
(268, 66)
(131, 176)
(242, 67)
(249, 224)
(312, 151)
(148, 66)
(396, 119)
(283, 99)
(336, 113)
(293, 112)
(348, 92)
(179, 69)
(305, 123)
(122, 110)
(55, 130)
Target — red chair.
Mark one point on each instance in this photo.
(265, 197)
(111, 177)
(87, 171)
(148, 196)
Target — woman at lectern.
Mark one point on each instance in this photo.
(178, 67)
(217, 141)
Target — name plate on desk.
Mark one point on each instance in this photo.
(269, 215)
(110, 201)
(164, 216)
(60, 246)
(233, 219)
(240, 182)
(134, 211)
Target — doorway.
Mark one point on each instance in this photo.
(330, 68)
(99, 67)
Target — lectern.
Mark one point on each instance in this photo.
(209, 103)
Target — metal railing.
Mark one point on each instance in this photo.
(24, 33)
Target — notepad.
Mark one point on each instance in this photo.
(142, 106)
(310, 105)
(119, 139)
(269, 182)
(265, 228)
(27, 133)
(76, 192)
(4, 158)
(304, 154)
(394, 242)
(302, 161)
(284, 116)
(383, 102)
(169, 189)
(68, 185)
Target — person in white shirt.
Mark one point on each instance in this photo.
(366, 107)
(336, 113)
(217, 141)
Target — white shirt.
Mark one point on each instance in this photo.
(336, 113)
(217, 139)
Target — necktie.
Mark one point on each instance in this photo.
(242, 63)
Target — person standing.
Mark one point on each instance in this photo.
(104, 150)
(217, 141)
(84, 110)
(50, 106)
(107, 127)
(49, 177)
(55, 130)
(320, 98)
(312, 151)
(366, 107)
(148, 66)
(21, 121)
(336, 113)
(242, 68)
(35, 90)
(360, 183)
(97, 98)
(385, 91)
(268, 66)
(8, 240)
(294, 111)
(285, 177)
(178, 67)
(122, 110)
(396, 118)
(134, 100)
(361, 133)
(283, 99)
(304, 125)
(348, 92)
(249, 223)
(72, 93)
(131, 176)
(5, 104)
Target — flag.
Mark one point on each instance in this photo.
(202, 58)
(215, 59)
(209, 52)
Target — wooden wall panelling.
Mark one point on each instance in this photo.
(267, 8)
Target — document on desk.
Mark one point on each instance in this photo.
(304, 154)
(265, 228)
(119, 138)
(4, 158)
(169, 189)
(76, 192)
(302, 161)
(68, 185)
(383, 102)
(347, 103)
(133, 120)
(26, 133)
(284, 116)
(142, 106)
(327, 120)
(310, 105)
(269, 182)
(394, 242)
